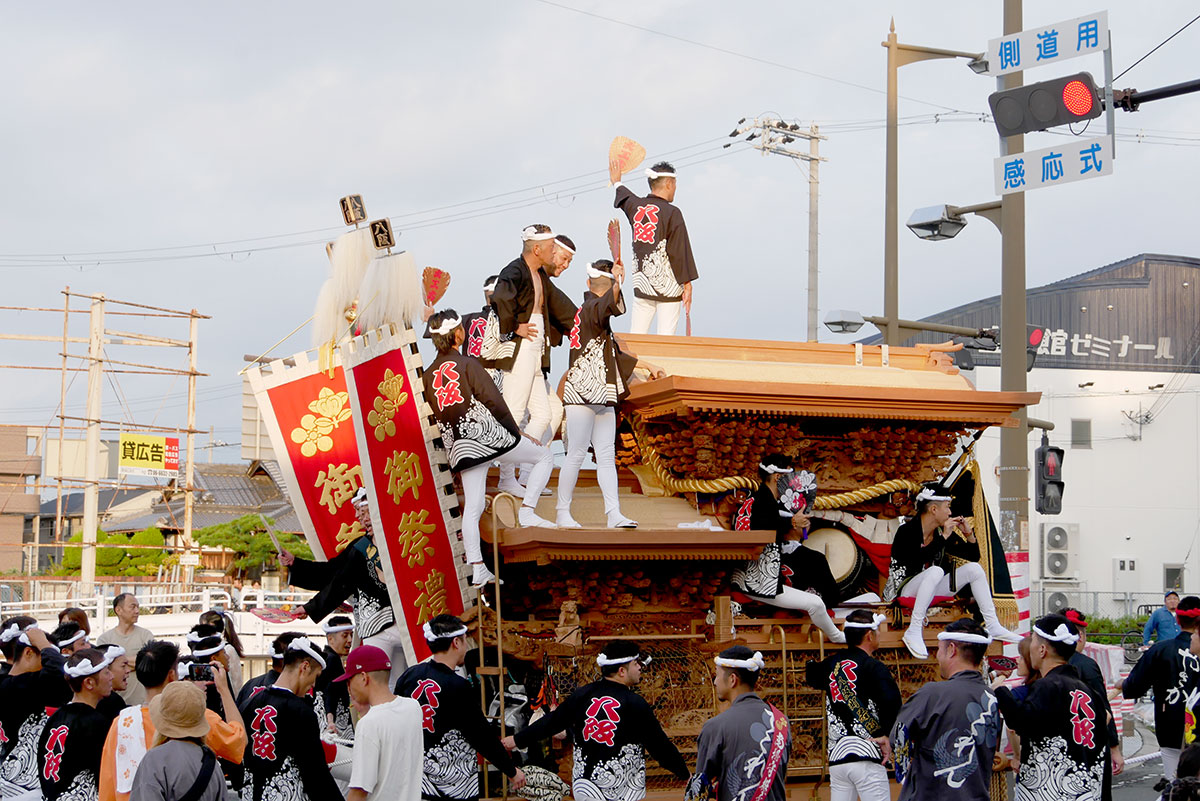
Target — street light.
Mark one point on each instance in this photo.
(935, 223)
(898, 56)
(842, 321)
(845, 321)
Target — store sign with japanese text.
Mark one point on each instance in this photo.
(406, 497)
(148, 455)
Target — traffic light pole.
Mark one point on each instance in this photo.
(1014, 449)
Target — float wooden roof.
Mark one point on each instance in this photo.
(813, 379)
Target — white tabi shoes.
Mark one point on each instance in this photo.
(915, 643)
(482, 575)
(528, 518)
(618, 520)
(564, 520)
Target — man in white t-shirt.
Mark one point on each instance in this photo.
(388, 744)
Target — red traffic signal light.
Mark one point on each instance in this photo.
(1060, 101)
(1047, 478)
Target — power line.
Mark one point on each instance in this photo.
(1160, 44)
(736, 54)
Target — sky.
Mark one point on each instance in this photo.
(192, 156)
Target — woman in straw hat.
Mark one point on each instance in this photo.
(179, 766)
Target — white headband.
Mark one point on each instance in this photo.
(113, 652)
(963, 636)
(930, 494)
(431, 635)
(276, 656)
(604, 661)
(754, 663)
(79, 635)
(360, 496)
(564, 246)
(329, 629)
(14, 631)
(304, 644)
(873, 625)
(447, 326)
(592, 272)
(86, 668)
(490, 286)
(770, 468)
(652, 174)
(1061, 634)
(220, 646)
(531, 234)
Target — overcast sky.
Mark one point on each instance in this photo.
(136, 126)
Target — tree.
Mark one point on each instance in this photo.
(247, 537)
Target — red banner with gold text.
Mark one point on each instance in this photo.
(307, 414)
(409, 500)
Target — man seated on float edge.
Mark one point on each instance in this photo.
(132, 733)
(921, 555)
(762, 578)
(477, 428)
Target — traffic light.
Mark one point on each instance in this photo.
(1035, 335)
(1038, 106)
(1047, 478)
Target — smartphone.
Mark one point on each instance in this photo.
(200, 672)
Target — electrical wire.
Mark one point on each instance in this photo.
(1152, 50)
(736, 54)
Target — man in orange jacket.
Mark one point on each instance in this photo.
(132, 733)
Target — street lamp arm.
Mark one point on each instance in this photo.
(937, 328)
(989, 211)
(910, 54)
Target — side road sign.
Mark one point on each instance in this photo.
(1073, 160)
(1048, 44)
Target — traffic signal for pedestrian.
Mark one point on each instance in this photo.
(1038, 106)
(1047, 478)
(1035, 335)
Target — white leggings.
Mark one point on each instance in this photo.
(644, 311)
(524, 384)
(934, 581)
(474, 481)
(593, 425)
(792, 598)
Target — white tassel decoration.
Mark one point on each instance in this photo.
(391, 292)
(352, 252)
(328, 323)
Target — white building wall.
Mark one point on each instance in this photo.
(1134, 493)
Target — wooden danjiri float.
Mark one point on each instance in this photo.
(870, 422)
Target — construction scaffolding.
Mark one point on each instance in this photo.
(100, 364)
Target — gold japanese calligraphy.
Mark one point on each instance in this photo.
(432, 600)
(328, 412)
(391, 397)
(338, 485)
(348, 533)
(414, 537)
(403, 469)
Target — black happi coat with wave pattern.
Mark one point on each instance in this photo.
(474, 420)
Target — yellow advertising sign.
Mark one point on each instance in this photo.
(148, 455)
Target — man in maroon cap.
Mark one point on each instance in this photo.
(388, 745)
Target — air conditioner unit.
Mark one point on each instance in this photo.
(1057, 596)
(1060, 551)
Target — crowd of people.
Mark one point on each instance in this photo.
(105, 721)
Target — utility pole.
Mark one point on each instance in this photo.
(1014, 446)
(189, 469)
(774, 136)
(91, 491)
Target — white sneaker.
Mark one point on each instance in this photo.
(1002, 634)
(618, 520)
(528, 518)
(915, 644)
(564, 520)
(511, 487)
(482, 576)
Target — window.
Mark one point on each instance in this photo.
(1081, 434)
(1173, 578)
